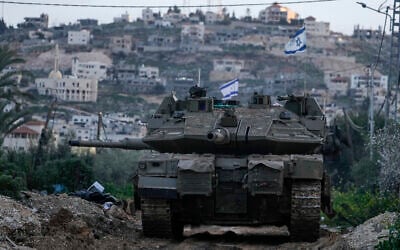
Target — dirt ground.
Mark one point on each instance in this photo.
(65, 222)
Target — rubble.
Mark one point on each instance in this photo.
(17, 221)
(371, 232)
(66, 222)
(63, 221)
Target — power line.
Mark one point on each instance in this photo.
(161, 6)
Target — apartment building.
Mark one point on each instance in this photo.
(89, 70)
(79, 37)
(121, 44)
(316, 28)
(276, 13)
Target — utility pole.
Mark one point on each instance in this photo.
(396, 34)
(389, 84)
(394, 60)
(370, 78)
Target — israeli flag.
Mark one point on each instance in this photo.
(297, 42)
(229, 89)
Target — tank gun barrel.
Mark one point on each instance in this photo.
(132, 144)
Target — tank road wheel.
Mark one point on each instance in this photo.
(159, 219)
(305, 210)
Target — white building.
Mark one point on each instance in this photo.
(316, 28)
(276, 14)
(84, 120)
(79, 37)
(359, 88)
(162, 23)
(338, 85)
(174, 18)
(193, 32)
(212, 17)
(67, 88)
(149, 72)
(89, 70)
(124, 18)
(147, 16)
(192, 37)
(24, 137)
(39, 34)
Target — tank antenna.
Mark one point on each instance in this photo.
(199, 75)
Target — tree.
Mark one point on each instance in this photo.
(387, 144)
(10, 95)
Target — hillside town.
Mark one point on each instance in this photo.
(190, 126)
(156, 53)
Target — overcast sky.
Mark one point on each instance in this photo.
(342, 15)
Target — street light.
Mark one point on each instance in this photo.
(388, 92)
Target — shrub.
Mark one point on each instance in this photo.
(355, 206)
(10, 186)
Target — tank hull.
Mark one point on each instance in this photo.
(231, 190)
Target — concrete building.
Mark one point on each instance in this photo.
(192, 37)
(67, 88)
(39, 34)
(24, 137)
(89, 70)
(277, 14)
(359, 88)
(174, 17)
(41, 22)
(367, 34)
(160, 23)
(225, 69)
(148, 16)
(124, 18)
(148, 72)
(228, 65)
(212, 17)
(121, 44)
(337, 84)
(79, 37)
(141, 80)
(88, 22)
(316, 28)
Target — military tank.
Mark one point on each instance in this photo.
(217, 162)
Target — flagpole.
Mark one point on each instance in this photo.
(308, 59)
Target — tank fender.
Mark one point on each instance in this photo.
(305, 167)
(157, 187)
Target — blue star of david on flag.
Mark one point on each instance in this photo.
(229, 89)
(297, 42)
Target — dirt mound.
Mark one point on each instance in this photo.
(17, 221)
(66, 222)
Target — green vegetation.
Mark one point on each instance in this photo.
(10, 93)
(112, 168)
(354, 206)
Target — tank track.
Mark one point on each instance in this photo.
(159, 219)
(305, 210)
